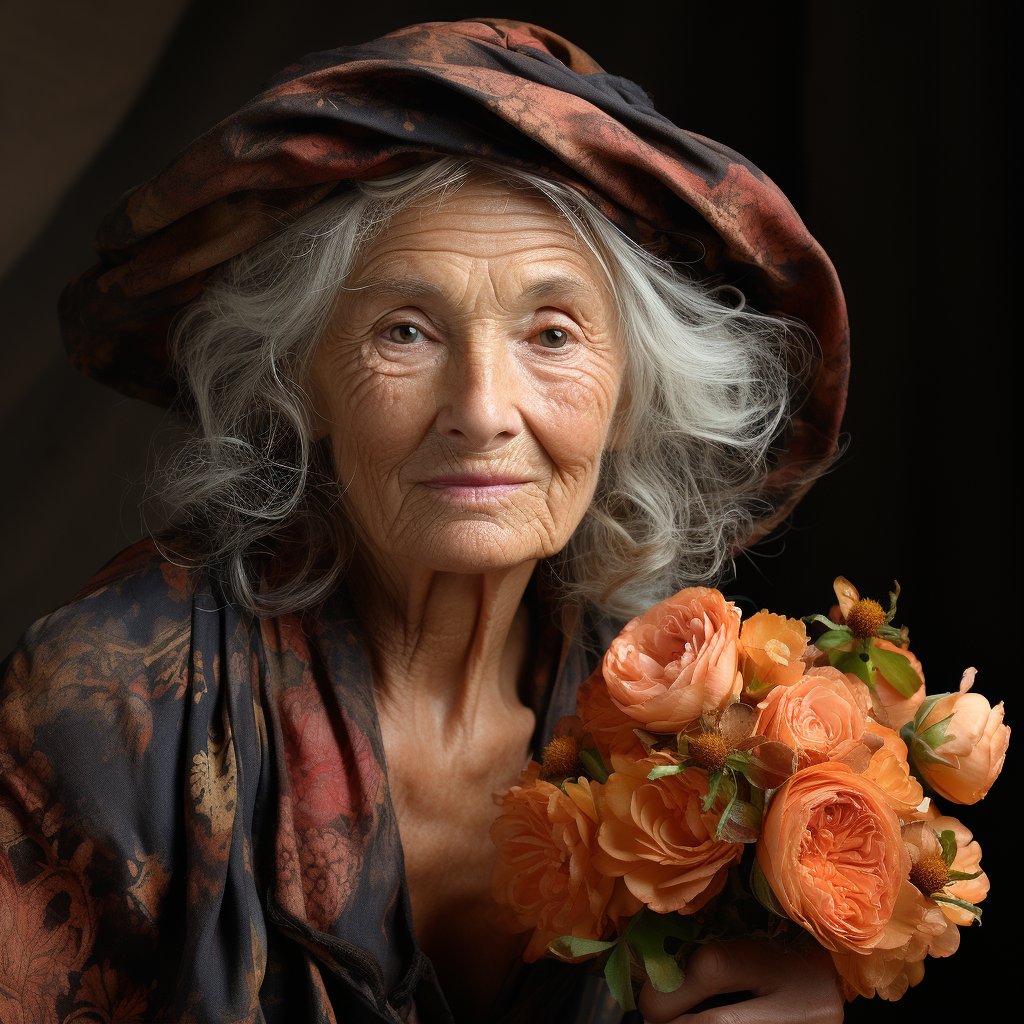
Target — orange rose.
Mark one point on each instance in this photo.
(611, 728)
(900, 709)
(772, 649)
(544, 875)
(677, 661)
(832, 851)
(888, 769)
(975, 741)
(655, 835)
(821, 716)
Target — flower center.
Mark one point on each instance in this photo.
(708, 750)
(562, 757)
(865, 618)
(930, 874)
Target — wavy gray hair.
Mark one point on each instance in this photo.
(256, 495)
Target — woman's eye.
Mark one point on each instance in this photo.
(553, 337)
(405, 334)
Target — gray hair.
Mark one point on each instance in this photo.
(255, 493)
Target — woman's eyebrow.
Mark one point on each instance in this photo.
(559, 286)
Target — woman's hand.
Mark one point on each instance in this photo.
(788, 988)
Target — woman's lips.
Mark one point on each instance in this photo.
(475, 487)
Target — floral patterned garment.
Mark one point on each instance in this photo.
(195, 822)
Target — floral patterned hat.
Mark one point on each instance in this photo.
(505, 91)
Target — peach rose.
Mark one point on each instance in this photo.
(544, 875)
(832, 851)
(772, 649)
(900, 709)
(922, 842)
(975, 741)
(676, 661)
(655, 835)
(611, 728)
(888, 769)
(821, 716)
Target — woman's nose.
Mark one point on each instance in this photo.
(479, 400)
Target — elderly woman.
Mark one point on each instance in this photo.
(455, 321)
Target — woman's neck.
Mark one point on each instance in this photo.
(449, 646)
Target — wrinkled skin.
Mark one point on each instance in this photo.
(444, 362)
(476, 338)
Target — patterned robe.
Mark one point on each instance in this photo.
(195, 822)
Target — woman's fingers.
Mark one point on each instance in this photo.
(790, 987)
(714, 968)
(773, 1009)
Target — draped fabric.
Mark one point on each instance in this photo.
(195, 823)
(504, 91)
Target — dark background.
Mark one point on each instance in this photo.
(884, 123)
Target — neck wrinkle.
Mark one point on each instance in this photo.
(448, 645)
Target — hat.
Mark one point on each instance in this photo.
(504, 91)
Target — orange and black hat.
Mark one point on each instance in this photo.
(505, 91)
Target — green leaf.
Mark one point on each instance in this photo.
(890, 633)
(926, 709)
(964, 876)
(822, 620)
(575, 949)
(756, 686)
(833, 638)
(921, 753)
(728, 810)
(853, 661)
(665, 769)
(714, 781)
(763, 891)
(616, 972)
(891, 613)
(947, 837)
(896, 668)
(962, 904)
(647, 938)
(935, 735)
(591, 759)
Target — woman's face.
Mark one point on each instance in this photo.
(468, 383)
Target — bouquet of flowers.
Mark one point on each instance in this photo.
(772, 778)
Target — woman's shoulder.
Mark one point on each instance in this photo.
(131, 620)
(87, 684)
(120, 791)
(150, 577)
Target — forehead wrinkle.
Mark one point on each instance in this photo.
(551, 287)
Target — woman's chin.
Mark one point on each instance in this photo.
(477, 546)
